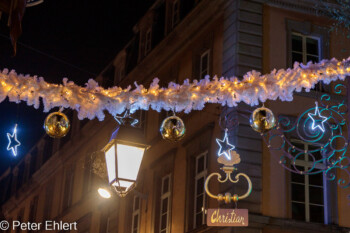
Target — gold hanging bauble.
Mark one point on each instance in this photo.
(173, 128)
(262, 120)
(57, 125)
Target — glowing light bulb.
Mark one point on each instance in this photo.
(104, 193)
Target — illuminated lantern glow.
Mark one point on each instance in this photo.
(123, 154)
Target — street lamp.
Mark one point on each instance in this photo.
(123, 154)
(104, 193)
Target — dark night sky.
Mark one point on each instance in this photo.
(61, 38)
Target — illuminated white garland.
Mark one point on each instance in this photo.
(92, 100)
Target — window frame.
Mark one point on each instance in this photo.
(162, 197)
(148, 41)
(202, 74)
(68, 187)
(175, 16)
(202, 174)
(136, 212)
(306, 164)
(304, 48)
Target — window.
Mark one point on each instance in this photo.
(9, 229)
(20, 176)
(305, 48)
(87, 174)
(204, 64)
(199, 193)
(68, 187)
(84, 223)
(307, 191)
(33, 210)
(165, 205)
(48, 145)
(148, 41)
(20, 219)
(163, 168)
(136, 215)
(175, 14)
(33, 159)
(49, 199)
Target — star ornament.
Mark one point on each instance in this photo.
(225, 147)
(13, 142)
(317, 119)
(126, 119)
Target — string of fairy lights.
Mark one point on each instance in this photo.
(92, 100)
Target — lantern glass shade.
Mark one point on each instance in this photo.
(110, 162)
(129, 161)
(124, 153)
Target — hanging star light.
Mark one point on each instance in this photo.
(317, 119)
(126, 119)
(225, 146)
(13, 142)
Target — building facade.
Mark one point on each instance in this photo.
(176, 40)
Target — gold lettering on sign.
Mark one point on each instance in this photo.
(227, 217)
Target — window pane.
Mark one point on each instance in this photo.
(200, 164)
(199, 219)
(204, 62)
(298, 178)
(199, 205)
(298, 211)
(165, 185)
(163, 222)
(297, 44)
(312, 46)
(136, 221)
(317, 155)
(297, 57)
(298, 192)
(311, 58)
(316, 195)
(316, 213)
(200, 185)
(316, 179)
(165, 205)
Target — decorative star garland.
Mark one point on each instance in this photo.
(225, 146)
(92, 100)
(13, 142)
(317, 119)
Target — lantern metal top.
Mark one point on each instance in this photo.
(127, 136)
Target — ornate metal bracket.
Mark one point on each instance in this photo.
(228, 168)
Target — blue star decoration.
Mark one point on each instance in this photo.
(126, 119)
(225, 146)
(13, 142)
(317, 119)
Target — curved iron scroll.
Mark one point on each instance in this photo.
(228, 197)
(326, 148)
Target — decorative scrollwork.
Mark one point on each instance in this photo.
(228, 168)
(228, 197)
(316, 137)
